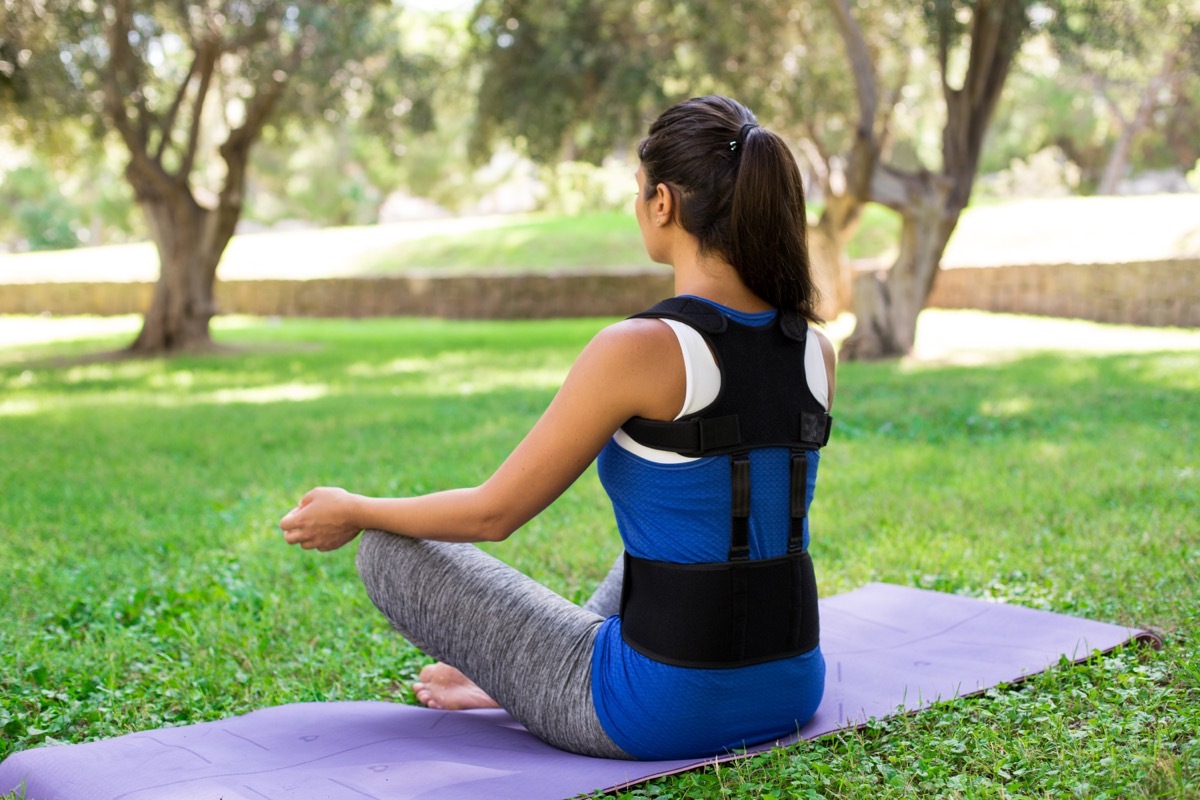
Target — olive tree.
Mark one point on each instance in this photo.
(975, 43)
(188, 89)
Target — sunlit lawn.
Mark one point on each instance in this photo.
(147, 583)
(537, 242)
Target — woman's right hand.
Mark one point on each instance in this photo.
(322, 520)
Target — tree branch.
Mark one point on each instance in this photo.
(814, 149)
(943, 46)
(120, 54)
(236, 148)
(206, 57)
(884, 129)
(864, 154)
(860, 63)
(169, 121)
(985, 42)
(996, 30)
(892, 187)
(145, 174)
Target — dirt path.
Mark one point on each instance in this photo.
(1077, 230)
(290, 255)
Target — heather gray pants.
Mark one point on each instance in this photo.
(524, 645)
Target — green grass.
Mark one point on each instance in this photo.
(148, 585)
(587, 241)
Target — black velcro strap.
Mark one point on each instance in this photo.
(711, 616)
(798, 500)
(815, 429)
(692, 437)
(739, 481)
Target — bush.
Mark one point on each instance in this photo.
(42, 218)
(1046, 173)
(573, 187)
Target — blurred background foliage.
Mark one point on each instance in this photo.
(518, 105)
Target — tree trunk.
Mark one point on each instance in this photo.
(830, 270)
(886, 304)
(182, 306)
(1118, 157)
(190, 240)
(827, 249)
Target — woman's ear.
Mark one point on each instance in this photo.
(663, 204)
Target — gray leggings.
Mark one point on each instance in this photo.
(524, 645)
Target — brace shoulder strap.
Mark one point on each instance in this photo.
(700, 315)
(708, 320)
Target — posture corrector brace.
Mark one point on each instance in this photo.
(740, 611)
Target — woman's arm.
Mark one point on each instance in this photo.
(632, 368)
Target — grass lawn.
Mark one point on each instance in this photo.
(589, 241)
(148, 584)
(542, 242)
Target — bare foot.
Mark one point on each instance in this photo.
(442, 686)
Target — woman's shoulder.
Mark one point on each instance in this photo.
(636, 336)
(645, 354)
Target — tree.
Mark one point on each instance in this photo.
(569, 79)
(787, 62)
(976, 42)
(340, 171)
(849, 124)
(1136, 57)
(780, 59)
(188, 89)
(584, 78)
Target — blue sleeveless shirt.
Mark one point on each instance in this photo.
(680, 512)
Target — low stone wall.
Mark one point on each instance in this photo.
(458, 296)
(1161, 293)
(102, 299)
(466, 296)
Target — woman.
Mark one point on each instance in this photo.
(705, 415)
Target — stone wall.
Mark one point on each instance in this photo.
(464, 296)
(103, 299)
(1164, 293)
(1160, 293)
(456, 296)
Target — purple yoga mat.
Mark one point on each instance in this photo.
(889, 650)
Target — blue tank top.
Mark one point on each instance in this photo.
(680, 512)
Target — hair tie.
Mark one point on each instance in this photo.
(743, 132)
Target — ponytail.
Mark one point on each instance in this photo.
(768, 233)
(738, 191)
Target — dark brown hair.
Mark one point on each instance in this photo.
(738, 191)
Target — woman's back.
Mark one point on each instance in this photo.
(677, 509)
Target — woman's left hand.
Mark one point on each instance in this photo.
(322, 521)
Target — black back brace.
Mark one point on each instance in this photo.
(740, 611)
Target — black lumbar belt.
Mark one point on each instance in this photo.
(740, 611)
(720, 615)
